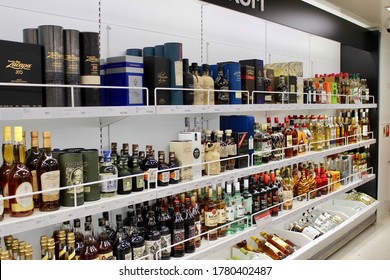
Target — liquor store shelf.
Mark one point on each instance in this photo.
(211, 247)
(28, 113)
(39, 219)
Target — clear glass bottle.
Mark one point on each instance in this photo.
(288, 191)
(20, 180)
(230, 210)
(240, 209)
(247, 199)
(109, 172)
(48, 175)
(31, 163)
(365, 126)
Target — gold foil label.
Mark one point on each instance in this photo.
(92, 58)
(55, 55)
(18, 66)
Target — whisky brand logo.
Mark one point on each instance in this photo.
(162, 78)
(18, 65)
(246, 3)
(72, 57)
(55, 55)
(92, 58)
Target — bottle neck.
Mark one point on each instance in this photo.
(19, 152)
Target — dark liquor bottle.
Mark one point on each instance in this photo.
(232, 149)
(223, 151)
(163, 176)
(122, 246)
(149, 165)
(306, 91)
(138, 183)
(254, 190)
(109, 173)
(189, 227)
(178, 232)
(20, 180)
(221, 85)
(48, 174)
(89, 251)
(163, 226)
(221, 212)
(114, 150)
(263, 193)
(70, 239)
(109, 230)
(198, 227)
(188, 82)
(124, 184)
(104, 245)
(31, 163)
(137, 241)
(79, 238)
(62, 249)
(152, 238)
(211, 216)
(174, 174)
(312, 93)
(282, 96)
(8, 160)
(268, 97)
(140, 221)
(275, 195)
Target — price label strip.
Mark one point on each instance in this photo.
(262, 219)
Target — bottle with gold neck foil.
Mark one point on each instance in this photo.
(8, 161)
(20, 180)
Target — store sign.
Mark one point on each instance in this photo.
(232, 4)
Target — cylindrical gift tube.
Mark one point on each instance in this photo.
(148, 51)
(91, 174)
(159, 50)
(90, 68)
(134, 52)
(30, 35)
(173, 51)
(71, 173)
(72, 65)
(51, 38)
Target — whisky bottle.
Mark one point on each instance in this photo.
(274, 194)
(212, 153)
(278, 243)
(163, 176)
(70, 238)
(269, 249)
(8, 161)
(288, 137)
(247, 197)
(268, 97)
(178, 232)
(48, 174)
(152, 238)
(282, 96)
(104, 247)
(287, 190)
(223, 151)
(149, 166)
(137, 242)
(198, 85)
(188, 82)
(163, 221)
(221, 212)
(174, 174)
(208, 85)
(108, 172)
(196, 214)
(232, 149)
(240, 209)
(121, 247)
(20, 180)
(221, 86)
(1, 204)
(124, 182)
(31, 163)
(312, 93)
(89, 250)
(211, 216)
(50, 250)
(189, 227)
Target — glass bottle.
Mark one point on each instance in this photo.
(137, 241)
(48, 175)
(70, 239)
(89, 251)
(20, 180)
(31, 163)
(282, 96)
(288, 193)
(232, 149)
(267, 82)
(255, 192)
(212, 153)
(114, 151)
(324, 178)
(223, 151)
(327, 131)
(198, 85)
(104, 246)
(149, 165)
(50, 249)
(174, 174)
(189, 227)
(275, 194)
(124, 184)
(188, 82)
(247, 200)
(221, 85)
(288, 137)
(208, 85)
(163, 222)
(79, 238)
(109, 172)
(278, 242)
(230, 210)
(365, 126)
(240, 209)
(152, 238)
(121, 247)
(178, 232)
(211, 216)
(138, 183)
(269, 249)
(163, 176)
(312, 93)
(221, 212)
(62, 249)
(321, 93)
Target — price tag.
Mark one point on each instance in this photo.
(356, 100)
(262, 219)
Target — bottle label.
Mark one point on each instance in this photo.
(128, 256)
(178, 73)
(140, 183)
(365, 130)
(127, 184)
(166, 245)
(23, 203)
(35, 181)
(111, 185)
(240, 209)
(107, 256)
(232, 150)
(268, 98)
(224, 152)
(191, 233)
(1, 205)
(230, 213)
(138, 252)
(178, 236)
(152, 248)
(289, 142)
(201, 216)
(211, 218)
(151, 175)
(175, 175)
(221, 216)
(287, 197)
(250, 143)
(164, 177)
(198, 228)
(74, 176)
(50, 181)
(72, 255)
(248, 206)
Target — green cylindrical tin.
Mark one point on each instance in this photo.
(91, 174)
(71, 173)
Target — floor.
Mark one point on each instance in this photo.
(372, 244)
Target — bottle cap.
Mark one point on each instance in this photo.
(18, 134)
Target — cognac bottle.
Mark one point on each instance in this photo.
(31, 163)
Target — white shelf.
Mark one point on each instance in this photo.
(212, 247)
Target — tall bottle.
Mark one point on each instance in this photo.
(198, 226)
(121, 247)
(211, 216)
(221, 212)
(31, 163)
(232, 149)
(240, 209)
(152, 238)
(109, 172)
(221, 86)
(149, 164)
(20, 180)
(124, 184)
(178, 232)
(189, 227)
(174, 174)
(163, 176)
(163, 223)
(267, 82)
(8, 161)
(208, 85)
(137, 242)
(198, 85)
(223, 151)
(79, 238)
(288, 193)
(188, 82)
(70, 240)
(138, 183)
(48, 174)
(247, 198)
(275, 195)
(89, 251)
(104, 246)
(365, 126)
